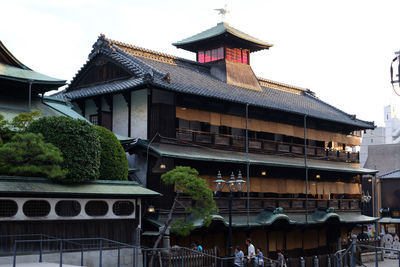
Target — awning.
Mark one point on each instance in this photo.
(12, 185)
(389, 220)
(217, 155)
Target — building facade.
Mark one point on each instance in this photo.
(304, 180)
(34, 205)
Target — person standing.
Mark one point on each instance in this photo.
(239, 255)
(251, 253)
(281, 259)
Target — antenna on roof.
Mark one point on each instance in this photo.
(222, 12)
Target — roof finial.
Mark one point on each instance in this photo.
(222, 12)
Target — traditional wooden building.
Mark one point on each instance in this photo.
(193, 113)
(34, 205)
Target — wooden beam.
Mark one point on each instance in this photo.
(128, 100)
(97, 101)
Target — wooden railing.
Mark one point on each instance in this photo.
(288, 204)
(263, 146)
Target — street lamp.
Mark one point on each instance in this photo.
(234, 185)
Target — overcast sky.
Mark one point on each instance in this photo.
(340, 49)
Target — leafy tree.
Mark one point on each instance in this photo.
(188, 182)
(113, 161)
(28, 155)
(78, 142)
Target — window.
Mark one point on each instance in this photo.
(94, 119)
(210, 55)
(237, 55)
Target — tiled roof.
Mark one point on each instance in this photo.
(219, 29)
(182, 75)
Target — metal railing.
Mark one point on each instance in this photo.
(163, 257)
(343, 256)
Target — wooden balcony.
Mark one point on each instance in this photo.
(263, 146)
(288, 204)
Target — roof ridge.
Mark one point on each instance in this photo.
(284, 84)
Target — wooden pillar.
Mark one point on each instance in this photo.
(128, 100)
(109, 101)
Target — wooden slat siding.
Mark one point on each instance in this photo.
(283, 203)
(332, 154)
(64, 229)
(264, 126)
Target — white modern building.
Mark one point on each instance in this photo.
(389, 134)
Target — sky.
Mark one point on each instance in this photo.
(341, 50)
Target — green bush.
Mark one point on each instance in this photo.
(28, 155)
(78, 142)
(113, 161)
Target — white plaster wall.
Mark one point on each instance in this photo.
(120, 115)
(139, 114)
(90, 108)
(20, 216)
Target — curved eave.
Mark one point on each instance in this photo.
(253, 45)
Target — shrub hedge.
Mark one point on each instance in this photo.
(78, 142)
(113, 161)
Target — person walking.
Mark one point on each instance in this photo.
(239, 255)
(251, 253)
(281, 259)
